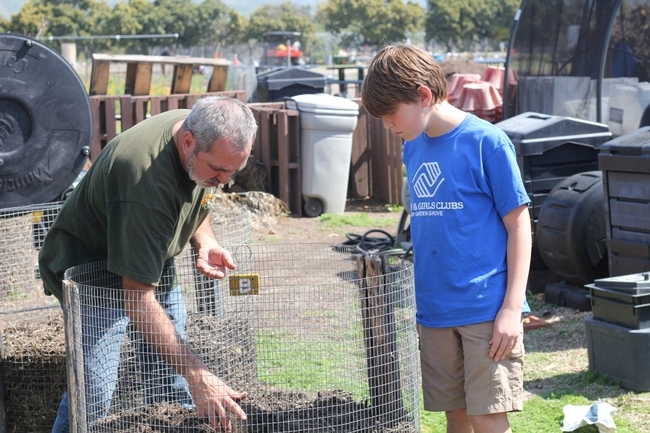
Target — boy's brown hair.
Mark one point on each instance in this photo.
(394, 76)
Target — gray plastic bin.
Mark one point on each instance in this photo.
(326, 126)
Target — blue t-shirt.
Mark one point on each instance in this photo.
(461, 185)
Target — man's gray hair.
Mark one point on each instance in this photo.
(216, 117)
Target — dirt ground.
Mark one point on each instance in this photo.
(288, 229)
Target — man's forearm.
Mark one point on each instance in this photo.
(203, 234)
(154, 324)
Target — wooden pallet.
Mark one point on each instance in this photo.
(139, 70)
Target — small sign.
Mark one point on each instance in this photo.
(244, 284)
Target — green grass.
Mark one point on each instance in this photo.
(294, 363)
(556, 375)
(541, 414)
(355, 219)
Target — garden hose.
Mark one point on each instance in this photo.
(375, 244)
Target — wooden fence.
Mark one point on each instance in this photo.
(375, 168)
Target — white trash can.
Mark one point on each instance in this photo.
(326, 126)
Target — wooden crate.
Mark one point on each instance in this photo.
(277, 146)
(114, 114)
(376, 167)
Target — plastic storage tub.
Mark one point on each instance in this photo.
(623, 300)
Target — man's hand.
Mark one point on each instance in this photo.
(215, 400)
(213, 261)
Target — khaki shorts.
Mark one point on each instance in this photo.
(457, 371)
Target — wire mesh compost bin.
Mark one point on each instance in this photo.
(33, 345)
(320, 339)
(33, 365)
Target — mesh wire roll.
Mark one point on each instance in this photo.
(32, 326)
(320, 339)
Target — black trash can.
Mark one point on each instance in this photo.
(281, 84)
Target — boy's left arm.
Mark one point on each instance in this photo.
(507, 325)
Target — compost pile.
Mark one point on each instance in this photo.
(264, 208)
(33, 360)
(276, 411)
(35, 380)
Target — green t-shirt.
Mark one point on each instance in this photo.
(136, 208)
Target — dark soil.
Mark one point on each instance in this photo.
(274, 412)
(33, 362)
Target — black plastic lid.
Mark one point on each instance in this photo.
(45, 122)
(285, 77)
(639, 283)
(535, 133)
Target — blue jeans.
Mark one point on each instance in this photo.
(103, 331)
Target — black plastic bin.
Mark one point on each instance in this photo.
(625, 163)
(620, 353)
(550, 149)
(281, 84)
(622, 300)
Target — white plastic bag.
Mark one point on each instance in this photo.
(600, 414)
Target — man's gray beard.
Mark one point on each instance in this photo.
(191, 171)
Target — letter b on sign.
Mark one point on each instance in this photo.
(244, 284)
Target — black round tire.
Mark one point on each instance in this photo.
(571, 229)
(313, 207)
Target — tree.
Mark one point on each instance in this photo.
(31, 19)
(127, 19)
(220, 24)
(175, 16)
(42, 18)
(371, 21)
(285, 17)
(456, 22)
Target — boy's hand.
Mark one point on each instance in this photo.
(506, 334)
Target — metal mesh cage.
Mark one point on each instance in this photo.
(22, 231)
(320, 339)
(31, 323)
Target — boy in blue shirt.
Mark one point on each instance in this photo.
(471, 235)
